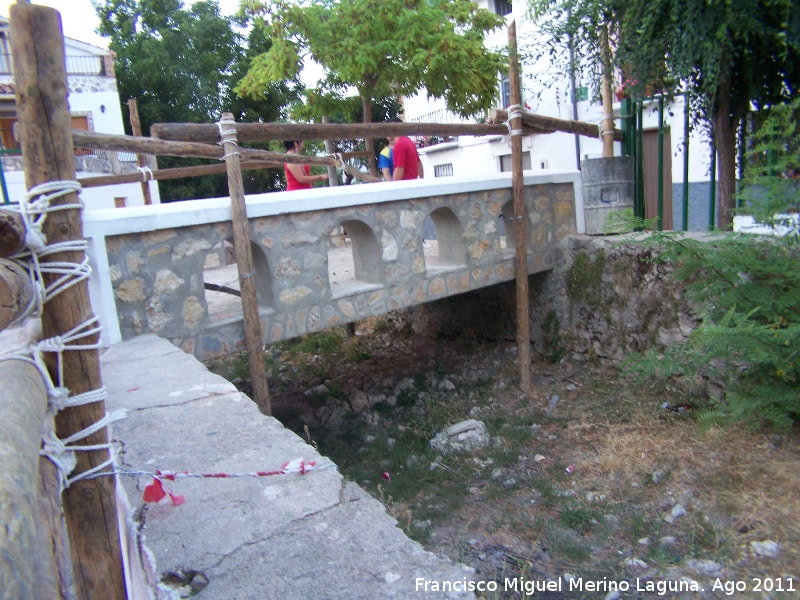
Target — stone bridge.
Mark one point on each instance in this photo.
(321, 257)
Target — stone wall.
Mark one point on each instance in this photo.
(604, 299)
(157, 276)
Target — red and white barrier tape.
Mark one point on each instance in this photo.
(157, 490)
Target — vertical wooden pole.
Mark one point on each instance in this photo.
(520, 216)
(333, 178)
(141, 160)
(244, 261)
(606, 94)
(37, 46)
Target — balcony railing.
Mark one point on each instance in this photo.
(76, 65)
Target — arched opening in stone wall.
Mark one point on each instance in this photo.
(221, 282)
(447, 250)
(507, 228)
(354, 259)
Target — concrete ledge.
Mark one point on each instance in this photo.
(285, 536)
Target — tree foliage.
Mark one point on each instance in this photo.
(747, 287)
(730, 56)
(571, 35)
(179, 64)
(382, 48)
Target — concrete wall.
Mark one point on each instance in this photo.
(149, 260)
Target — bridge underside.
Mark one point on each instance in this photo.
(321, 257)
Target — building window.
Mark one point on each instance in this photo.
(505, 162)
(120, 202)
(443, 170)
(505, 91)
(502, 7)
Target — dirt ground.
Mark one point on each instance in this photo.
(610, 490)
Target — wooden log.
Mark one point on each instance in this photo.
(253, 341)
(141, 159)
(259, 132)
(23, 405)
(520, 218)
(12, 232)
(551, 124)
(126, 143)
(175, 173)
(16, 291)
(37, 48)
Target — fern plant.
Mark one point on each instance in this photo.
(747, 289)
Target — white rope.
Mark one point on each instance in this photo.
(514, 112)
(33, 209)
(146, 174)
(227, 134)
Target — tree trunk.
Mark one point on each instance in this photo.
(725, 138)
(366, 108)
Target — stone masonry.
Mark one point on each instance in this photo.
(157, 276)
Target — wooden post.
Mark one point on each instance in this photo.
(520, 217)
(16, 291)
(141, 160)
(333, 178)
(244, 262)
(37, 46)
(23, 405)
(605, 94)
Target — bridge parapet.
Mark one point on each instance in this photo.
(149, 261)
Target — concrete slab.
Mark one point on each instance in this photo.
(284, 536)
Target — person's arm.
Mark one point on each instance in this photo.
(398, 173)
(387, 175)
(420, 174)
(300, 174)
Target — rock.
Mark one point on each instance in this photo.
(644, 541)
(447, 385)
(465, 436)
(613, 595)
(766, 549)
(551, 405)
(677, 511)
(198, 582)
(359, 400)
(706, 567)
(667, 541)
(463, 426)
(657, 476)
(635, 563)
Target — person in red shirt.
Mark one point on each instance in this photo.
(407, 164)
(298, 177)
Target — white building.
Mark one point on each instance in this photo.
(94, 105)
(471, 156)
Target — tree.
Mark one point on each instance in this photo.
(178, 64)
(382, 48)
(731, 56)
(583, 30)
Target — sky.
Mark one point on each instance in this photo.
(79, 20)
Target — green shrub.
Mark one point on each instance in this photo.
(748, 289)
